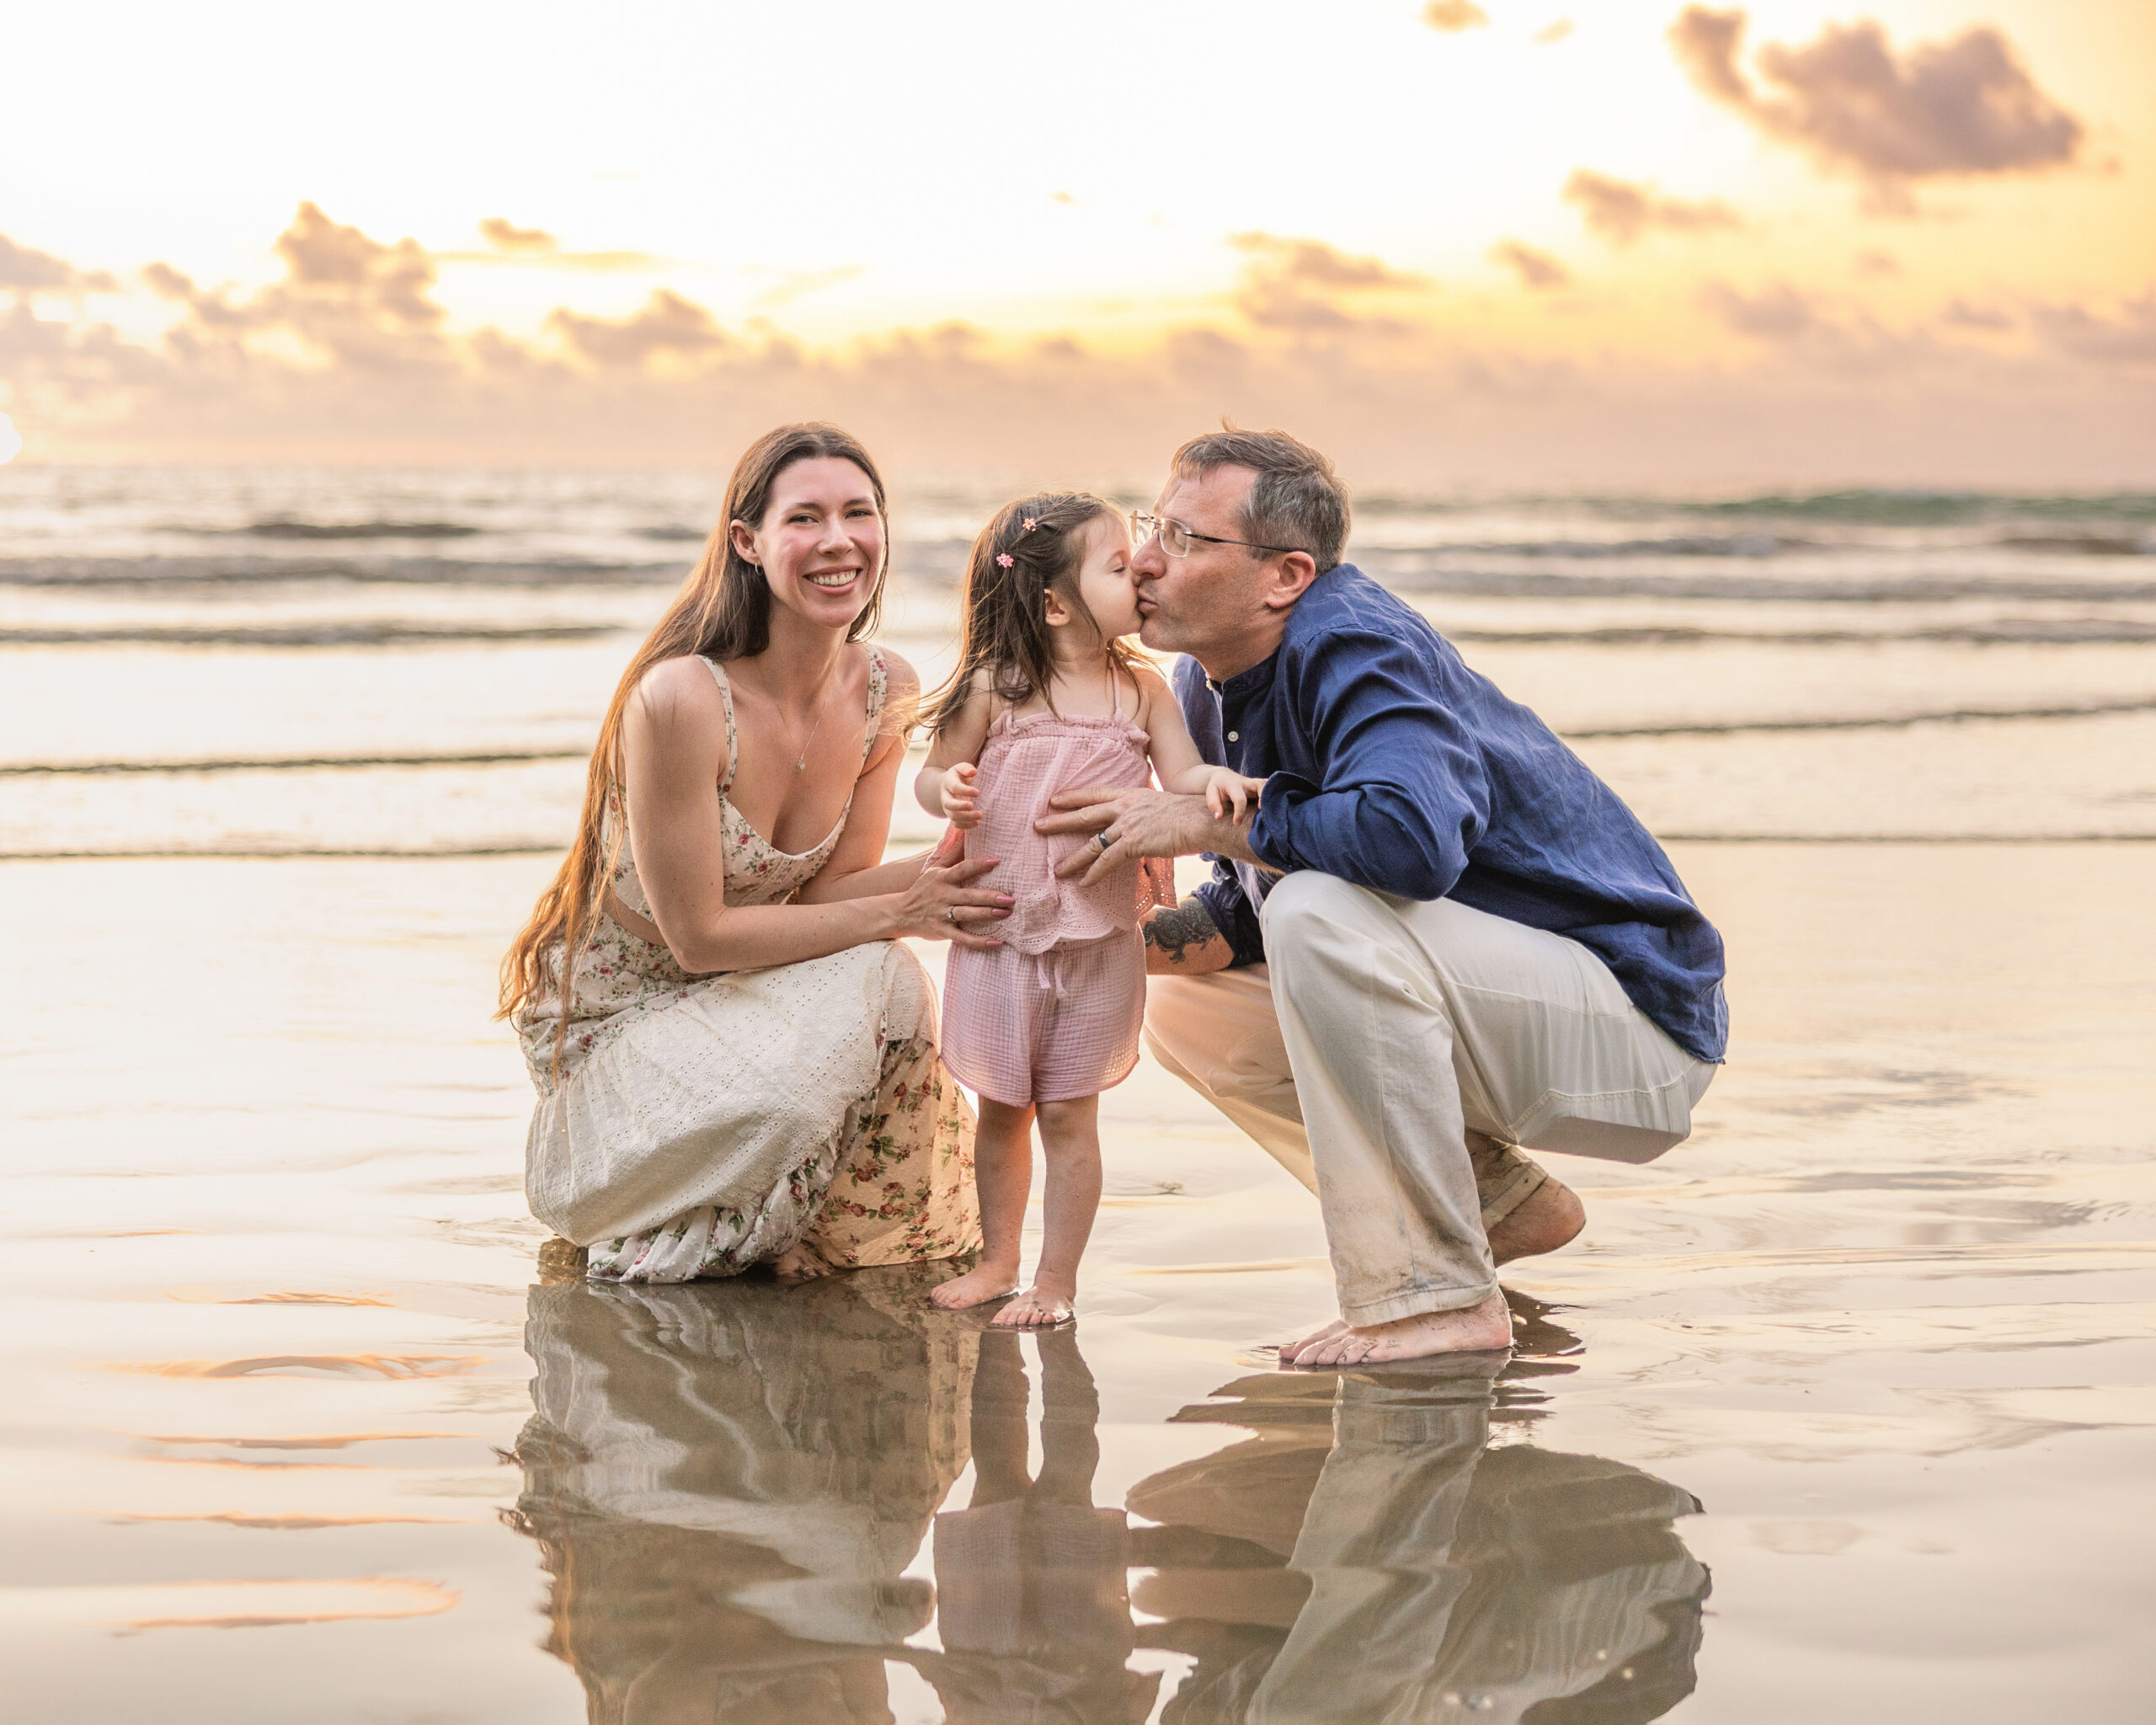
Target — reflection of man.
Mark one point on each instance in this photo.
(1439, 937)
(1408, 1570)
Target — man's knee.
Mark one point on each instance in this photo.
(1304, 906)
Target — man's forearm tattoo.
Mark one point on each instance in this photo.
(1174, 933)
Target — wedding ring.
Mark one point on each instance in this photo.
(953, 913)
(1102, 840)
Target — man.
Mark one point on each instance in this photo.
(1438, 938)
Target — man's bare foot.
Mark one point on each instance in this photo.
(1046, 1303)
(800, 1262)
(1547, 1218)
(1480, 1328)
(981, 1284)
(1288, 1350)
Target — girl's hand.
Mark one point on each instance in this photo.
(1224, 788)
(962, 796)
(945, 905)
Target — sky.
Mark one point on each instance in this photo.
(1455, 241)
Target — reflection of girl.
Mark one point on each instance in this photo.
(1031, 1587)
(736, 1059)
(1047, 697)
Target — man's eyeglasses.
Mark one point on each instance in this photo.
(1176, 539)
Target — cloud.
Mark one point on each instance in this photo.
(505, 236)
(1305, 286)
(1555, 32)
(1620, 213)
(536, 247)
(1875, 261)
(28, 271)
(2127, 340)
(797, 284)
(1535, 269)
(1960, 314)
(1956, 108)
(667, 326)
(332, 361)
(1775, 314)
(1451, 15)
(11, 441)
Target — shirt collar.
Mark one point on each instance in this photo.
(1248, 684)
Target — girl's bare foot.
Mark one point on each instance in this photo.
(1483, 1327)
(1047, 1302)
(978, 1286)
(800, 1262)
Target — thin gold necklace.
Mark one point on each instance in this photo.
(822, 700)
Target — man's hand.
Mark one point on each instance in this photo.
(1130, 823)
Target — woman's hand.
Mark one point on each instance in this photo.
(945, 905)
(961, 796)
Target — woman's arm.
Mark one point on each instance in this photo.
(674, 745)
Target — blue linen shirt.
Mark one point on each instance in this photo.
(1389, 763)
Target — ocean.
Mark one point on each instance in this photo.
(273, 661)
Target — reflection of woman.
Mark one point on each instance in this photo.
(736, 1061)
(728, 1481)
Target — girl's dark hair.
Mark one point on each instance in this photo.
(723, 612)
(1003, 612)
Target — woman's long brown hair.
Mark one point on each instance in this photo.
(722, 612)
(1003, 614)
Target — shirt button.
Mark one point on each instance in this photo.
(1234, 736)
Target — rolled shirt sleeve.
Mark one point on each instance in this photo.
(1233, 914)
(1404, 798)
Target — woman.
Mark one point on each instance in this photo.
(741, 1067)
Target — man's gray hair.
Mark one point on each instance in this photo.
(1298, 501)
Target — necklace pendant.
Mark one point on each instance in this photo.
(801, 767)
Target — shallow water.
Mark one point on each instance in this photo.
(1841, 1410)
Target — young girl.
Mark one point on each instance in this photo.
(1048, 698)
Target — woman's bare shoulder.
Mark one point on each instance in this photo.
(680, 694)
(899, 671)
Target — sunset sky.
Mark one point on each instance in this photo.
(1509, 242)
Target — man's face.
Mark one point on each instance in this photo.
(1206, 603)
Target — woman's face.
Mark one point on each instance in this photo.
(1104, 581)
(820, 543)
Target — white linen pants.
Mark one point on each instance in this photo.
(1389, 1054)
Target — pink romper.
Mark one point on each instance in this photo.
(1054, 1012)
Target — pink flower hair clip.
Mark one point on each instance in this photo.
(1005, 559)
(1031, 522)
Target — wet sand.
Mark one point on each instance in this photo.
(1841, 1410)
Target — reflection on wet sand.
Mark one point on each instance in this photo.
(730, 1482)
